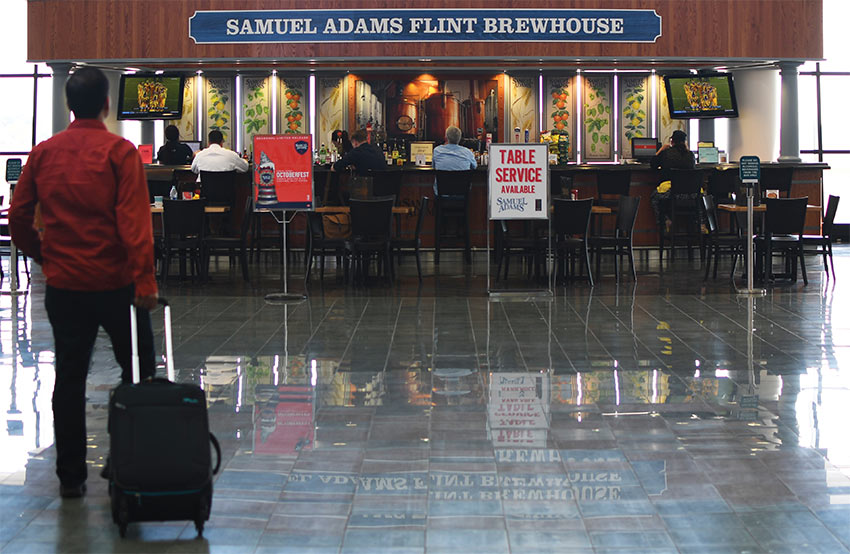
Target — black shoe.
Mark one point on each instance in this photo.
(76, 491)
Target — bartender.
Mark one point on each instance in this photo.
(363, 156)
(174, 152)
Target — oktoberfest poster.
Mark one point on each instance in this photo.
(283, 172)
(519, 181)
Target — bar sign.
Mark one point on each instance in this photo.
(750, 169)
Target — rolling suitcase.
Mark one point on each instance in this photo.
(159, 466)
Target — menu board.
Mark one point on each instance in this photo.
(424, 148)
(519, 181)
(283, 172)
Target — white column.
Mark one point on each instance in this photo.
(61, 113)
(112, 123)
(755, 131)
(789, 130)
(706, 130)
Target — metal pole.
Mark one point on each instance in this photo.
(749, 238)
(284, 296)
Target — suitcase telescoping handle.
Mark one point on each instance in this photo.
(134, 341)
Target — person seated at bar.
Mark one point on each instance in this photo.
(340, 140)
(674, 155)
(174, 152)
(217, 158)
(363, 156)
(451, 156)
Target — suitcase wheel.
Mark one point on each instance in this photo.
(123, 516)
(199, 527)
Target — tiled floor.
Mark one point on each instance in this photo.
(624, 418)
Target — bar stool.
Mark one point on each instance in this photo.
(452, 202)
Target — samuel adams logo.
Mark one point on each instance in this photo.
(301, 146)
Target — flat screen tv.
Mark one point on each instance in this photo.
(703, 96)
(143, 96)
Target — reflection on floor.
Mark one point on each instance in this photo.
(620, 418)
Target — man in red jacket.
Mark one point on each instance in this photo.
(94, 241)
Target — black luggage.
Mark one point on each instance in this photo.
(159, 465)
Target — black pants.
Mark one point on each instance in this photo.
(75, 317)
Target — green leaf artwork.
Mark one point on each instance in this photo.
(255, 115)
(596, 115)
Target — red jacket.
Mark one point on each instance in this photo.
(94, 203)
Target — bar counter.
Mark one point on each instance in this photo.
(418, 182)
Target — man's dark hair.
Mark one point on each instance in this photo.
(86, 91)
(359, 135)
(172, 133)
(215, 137)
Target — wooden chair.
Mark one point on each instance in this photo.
(183, 234)
(235, 247)
(620, 244)
(371, 233)
(783, 233)
(416, 242)
(452, 202)
(571, 230)
(822, 244)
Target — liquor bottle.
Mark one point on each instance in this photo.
(323, 155)
(395, 153)
(173, 193)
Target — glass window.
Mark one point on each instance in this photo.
(833, 106)
(16, 117)
(835, 15)
(835, 181)
(14, 38)
(808, 111)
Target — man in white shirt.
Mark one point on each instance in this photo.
(217, 158)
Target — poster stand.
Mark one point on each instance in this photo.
(13, 172)
(284, 182)
(750, 173)
(518, 189)
(285, 296)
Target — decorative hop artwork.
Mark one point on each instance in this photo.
(597, 117)
(634, 107)
(560, 91)
(256, 107)
(218, 102)
(523, 104)
(293, 114)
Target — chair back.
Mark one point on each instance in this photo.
(372, 218)
(615, 182)
(685, 181)
(247, 215)
(454, 183)
(183, 219)
(778, 178)
(183, 179)
(315, 227)
(386, 182)
(722, 184)
(710, 213)
(219, 187)
(829, 216)
(571, 217)
(423, 208)
(627, 210)
(785, 216)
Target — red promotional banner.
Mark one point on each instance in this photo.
(283, 172)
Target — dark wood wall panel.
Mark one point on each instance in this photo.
(158, 29)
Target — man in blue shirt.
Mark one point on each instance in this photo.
(451, 156)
